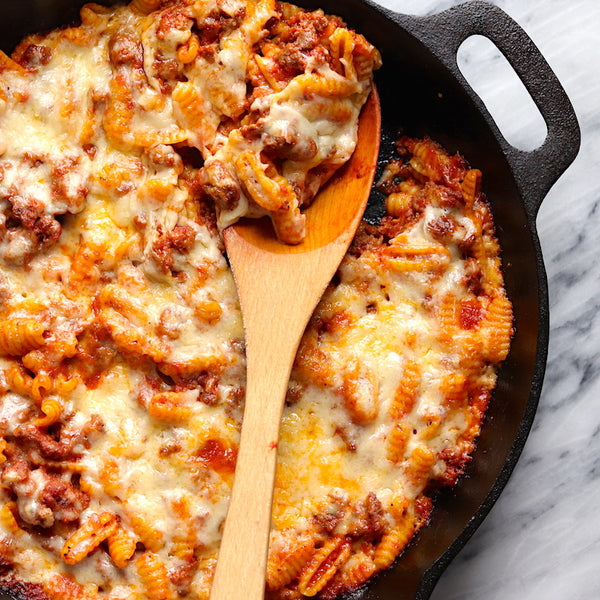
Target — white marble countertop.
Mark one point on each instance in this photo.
(542, 538)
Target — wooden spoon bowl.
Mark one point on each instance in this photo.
(279, 287)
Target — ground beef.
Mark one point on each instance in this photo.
(43, 497)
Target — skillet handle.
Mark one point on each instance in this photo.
(443, 33)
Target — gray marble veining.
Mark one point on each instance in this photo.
(542, 538)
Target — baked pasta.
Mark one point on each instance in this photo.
(267, 94)
(122, 367)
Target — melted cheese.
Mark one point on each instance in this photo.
(108, 242)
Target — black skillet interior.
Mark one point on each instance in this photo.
(423, 93)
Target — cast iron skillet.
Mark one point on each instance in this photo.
(424, 93)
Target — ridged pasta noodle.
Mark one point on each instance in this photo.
(62, 385)
(398, 204)
(323, 565)
(151, 537)
(329, 88)
(396, 442)
(188, 51)
(194, 365)
(499, 329)
(336, 110)
(341, 45)
(448, 318)
(392, 542)
(406, 393)
(121, 546)
(289, 225)
(78, 36)
(185, 538)
(63, 587)
(270, 190)
(428, 159)
(154, 577)
(146, 137)
(284, 567)
(257, 14)
(268, 73)
(88, 536)
(432, 428)
(170, 407)
(454, 388)
(354, 573)
(41, 386)
(110, 477)
(360, 393)
(422, 460)
(8, 520)
(18, 380)
(130, 339)
(209, 311)
(118, 116)
(365, 60)
(20, 335)
(117, 297)
(471, 187)
(88, 486)
(193, 106)
(404, 257)
(52, 409)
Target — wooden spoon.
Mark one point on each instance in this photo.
(279, 287)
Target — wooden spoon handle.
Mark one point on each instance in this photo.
(243, 556)
(274, 322)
